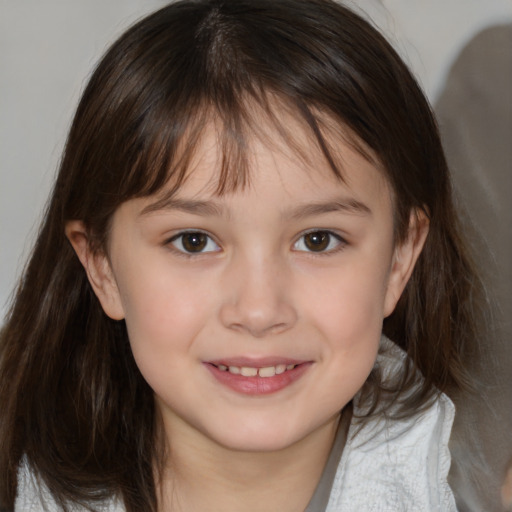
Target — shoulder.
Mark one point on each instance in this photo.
(34, 496)
(397, 465)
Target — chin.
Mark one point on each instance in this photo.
(260, 445)
(260, 436)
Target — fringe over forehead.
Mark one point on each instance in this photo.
(150, 98)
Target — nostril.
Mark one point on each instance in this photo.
(257, 304)
(258, 324)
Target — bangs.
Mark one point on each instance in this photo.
(191, 65)
(267, 117)
(239, 69)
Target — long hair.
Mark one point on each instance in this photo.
(73, 402)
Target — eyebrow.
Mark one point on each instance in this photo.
(202, 208)
(210, 208)
(351, 206)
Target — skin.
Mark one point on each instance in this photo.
(256, 290)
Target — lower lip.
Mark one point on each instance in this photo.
(258, 385)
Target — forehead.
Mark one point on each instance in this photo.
(272, 145)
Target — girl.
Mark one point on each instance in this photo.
(253, 201)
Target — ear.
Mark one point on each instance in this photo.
(404, 259)
(98, 269)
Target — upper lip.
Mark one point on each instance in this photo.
(256, 362)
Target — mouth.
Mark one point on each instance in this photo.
(258, 378)
(251, 371)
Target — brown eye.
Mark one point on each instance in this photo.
(194, 242)
(319, 241)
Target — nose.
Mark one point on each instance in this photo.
(259, 298)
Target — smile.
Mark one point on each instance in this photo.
(262, 378)
(248, 371)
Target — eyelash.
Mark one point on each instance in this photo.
(340, 242)
(326, 238)
(179, 239)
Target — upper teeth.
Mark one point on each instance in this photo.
(248, 371)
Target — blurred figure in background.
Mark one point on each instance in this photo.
(475, 116)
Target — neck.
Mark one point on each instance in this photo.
(201, 475)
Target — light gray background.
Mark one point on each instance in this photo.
(48, 48)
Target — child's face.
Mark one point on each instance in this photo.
(298, 269)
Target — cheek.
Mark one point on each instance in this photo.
(350, 302)
(163, 315)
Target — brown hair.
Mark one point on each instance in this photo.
(72, 399)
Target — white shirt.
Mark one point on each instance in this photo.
(397, 466)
